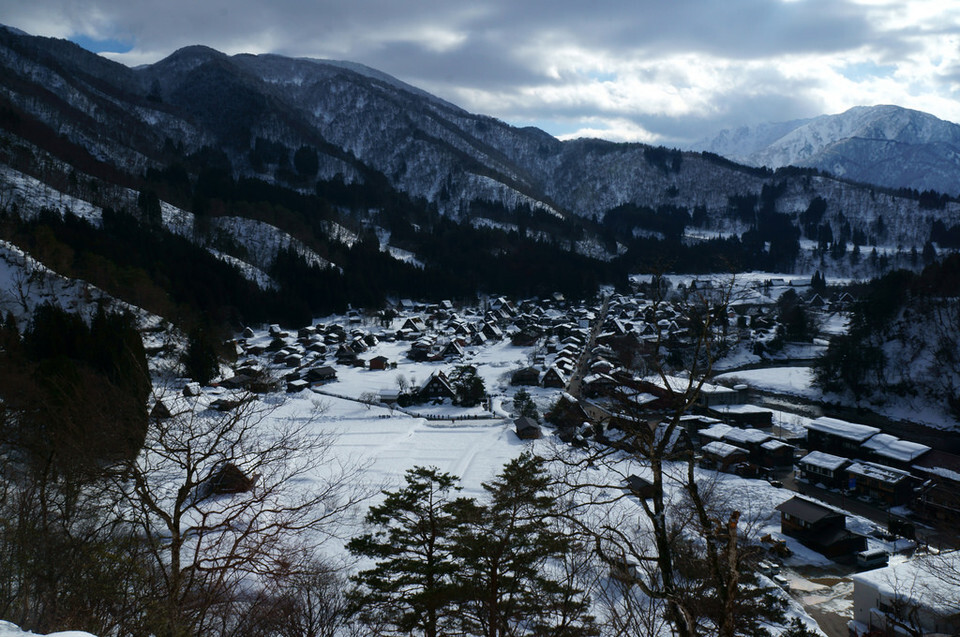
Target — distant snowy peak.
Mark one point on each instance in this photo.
(740, 144)
(885, 145)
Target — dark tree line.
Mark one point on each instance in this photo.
(74, 391)
(72, 399)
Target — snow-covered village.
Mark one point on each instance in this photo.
(290, 347)
(686, 381)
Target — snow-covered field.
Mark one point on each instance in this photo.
(793, 381)
(10, 630)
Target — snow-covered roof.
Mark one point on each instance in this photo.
(940, 472)
(740, 409)
(721, 449)
(842, 428)
(774, 445)
(717, 431)
(877, 472)
(940, 463)
(823, 460)
(703, 419)
(918, 582)
(745, 436)
(892, 447)
(679, 385)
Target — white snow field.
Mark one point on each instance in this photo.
(10, 630)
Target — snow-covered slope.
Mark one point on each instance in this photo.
(742, 143)
(884, 145)
(11, 630)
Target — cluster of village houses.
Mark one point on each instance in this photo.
(585, 351)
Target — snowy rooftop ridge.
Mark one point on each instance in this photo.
(823, 460)
(843, 429)
(746, 436)
(12, 630)
(878, 472)
(721, 449)
(895, 448)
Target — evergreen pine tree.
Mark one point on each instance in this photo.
(506, 551)
(524, 406)
(411, 586)
(468, 385)
(818, 283)
(200, 359)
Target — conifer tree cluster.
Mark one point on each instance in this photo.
(453, 565)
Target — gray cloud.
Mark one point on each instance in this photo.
(513, 59)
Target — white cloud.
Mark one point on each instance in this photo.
(615, 130)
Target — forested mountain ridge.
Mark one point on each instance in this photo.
(276, 166)
(261, 109)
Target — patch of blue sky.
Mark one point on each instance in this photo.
(557, 128)
(108, 45)
(861, 71)
(602, 77)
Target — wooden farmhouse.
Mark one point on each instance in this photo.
(819, 527)
(894, 452)
(939, 494)
(722, 456)
(527, 428)
(838, 437)
(437, 387)
(888, 485)
(554, 378)
(818, 467)
(525, 376)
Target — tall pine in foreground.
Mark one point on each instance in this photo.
(410, 589)
(510, 580)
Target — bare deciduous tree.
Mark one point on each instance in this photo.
(227, 500)
(683, 552)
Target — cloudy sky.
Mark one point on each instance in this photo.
(660, 71)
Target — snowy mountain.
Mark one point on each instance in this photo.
(377, 153)
(883, 145)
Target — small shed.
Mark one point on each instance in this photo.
(160, 411)
(819, 527)
(226, 479)
(638, 486)
(527, 428)
(777, 453)
(379, 363)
